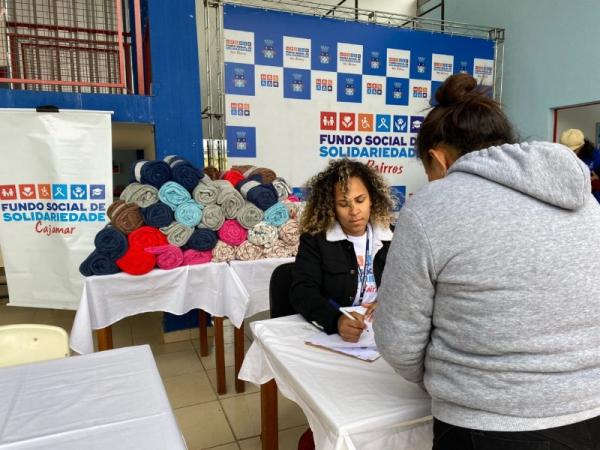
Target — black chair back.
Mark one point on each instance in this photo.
(279, 291)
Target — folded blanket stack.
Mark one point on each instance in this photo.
(173, 214)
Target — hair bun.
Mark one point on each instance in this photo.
(456, 89)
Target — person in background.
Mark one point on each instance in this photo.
(343, 246)
(490, 294)
(584, 149)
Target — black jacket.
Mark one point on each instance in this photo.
(327, 269)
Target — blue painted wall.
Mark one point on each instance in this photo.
(175, 79)
(551, 55)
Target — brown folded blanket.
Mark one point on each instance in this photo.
(126, 217)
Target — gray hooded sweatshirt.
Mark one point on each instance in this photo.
(491, 290)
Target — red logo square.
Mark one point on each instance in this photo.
(27, 191)
(347, 121)
(328, 120)
(8, 192)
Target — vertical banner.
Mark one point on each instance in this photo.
(55, 187)
(301, 90)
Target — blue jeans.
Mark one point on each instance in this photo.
(577, 436)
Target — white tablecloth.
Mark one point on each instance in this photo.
(350, 404)
(107, 299)
(254, 277)
(109, 400)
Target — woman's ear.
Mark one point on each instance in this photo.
(442, 158)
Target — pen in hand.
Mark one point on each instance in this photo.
(351, 326)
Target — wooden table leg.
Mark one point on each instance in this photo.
(220, 355)
(105, 341)
(268, 416)
(238, 345)
(202, 321)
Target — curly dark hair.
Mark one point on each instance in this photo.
(319, 214)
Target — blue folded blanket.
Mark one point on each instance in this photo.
(157, 215)
(202, 239)
(111, 242)
(277, 215)
(173, 194)
(98, 264)
(155, 173)
(183, 172)
(189, 213)
(262, 195)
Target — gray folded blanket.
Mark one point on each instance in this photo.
(177, 233)
(212, 217)
(143, 195)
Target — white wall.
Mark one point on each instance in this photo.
(582, 117)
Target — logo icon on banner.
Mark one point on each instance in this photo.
(421, 64)
(59, 191)
(328, 120)
(415, 123)
(324, 85)
(97, 192)
(268, 49)
(240, 109)
(397, 92)
(44, 191)
(420, 92)
(347, 121)
(269, 80)
(297, 82)
(400, 124)
(78, 192)
(382, 122)
(365, 122)
(463, 67)
(239, 78)
(324, 57)
(375, 60)
(241, 142)
(349, 89)
(374, 88)
(27, 191)
(8, 192)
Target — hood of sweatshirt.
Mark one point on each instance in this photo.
(549, 172)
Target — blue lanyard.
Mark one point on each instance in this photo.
(363, 272)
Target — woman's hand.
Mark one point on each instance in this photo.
(350, 330)
(370, 307)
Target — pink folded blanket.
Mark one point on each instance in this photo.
(192, 257)
(232, 232)
(167, 256)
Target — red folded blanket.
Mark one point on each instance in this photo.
(136, 262)
(145, 237)
(233, 176)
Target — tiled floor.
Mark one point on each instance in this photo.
(207, 420)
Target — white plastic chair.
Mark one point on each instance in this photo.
(25, 343)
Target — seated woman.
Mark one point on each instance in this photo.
(345, 238)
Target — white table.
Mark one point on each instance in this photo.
(253, 278)
(107, 299)
(350, 404)
(109, 400)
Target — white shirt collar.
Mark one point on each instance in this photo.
(335, 233)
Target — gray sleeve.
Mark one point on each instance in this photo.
(402, 321)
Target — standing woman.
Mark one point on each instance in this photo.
(491, 296)
(345, 238)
